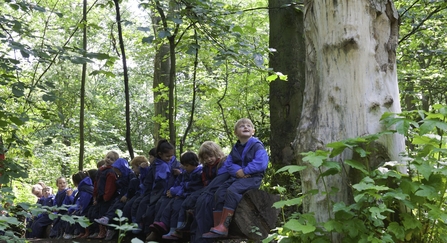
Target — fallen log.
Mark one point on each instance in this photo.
(254, 216)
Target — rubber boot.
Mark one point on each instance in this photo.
(184, 226)
(216, 217)
(102, 232)
(221, 230)
(85, 234)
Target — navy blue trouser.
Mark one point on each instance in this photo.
(229, 194)
(203, 211)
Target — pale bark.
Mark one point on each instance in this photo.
(351, 80)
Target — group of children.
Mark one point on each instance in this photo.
(163, 197)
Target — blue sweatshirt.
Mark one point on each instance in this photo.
(188, 183)
(251, 157)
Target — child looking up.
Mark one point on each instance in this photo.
(246, 164)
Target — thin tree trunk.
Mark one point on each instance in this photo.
(194, 95)
(351, 80)
(83, 80)
(126, 79)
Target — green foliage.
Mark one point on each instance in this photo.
(392, 203)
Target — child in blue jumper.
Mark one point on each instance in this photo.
(246, 165)
(186, 184)
(82, 201)
(212, 158)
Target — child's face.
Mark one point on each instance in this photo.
(166, 157)
(189, 168)
(46, 192)
(110, 158)
(38, 192)
(151, 159)
(136, 169)
(61, 184)
(244, 130)
(209, 159)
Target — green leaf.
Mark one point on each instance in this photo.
(99, 56)
(148, 39)
(295, 225)
(362, 186)
(397, 230)
(291, 168)
(294, 201)
(16, 120)
(337, 147)
(331, 171)
(48, 97)
(316, 158)
(272, 77)
(357, 165)
(425, 170)
(162, 34)
(426, 191)
(103, 72)
(17, 89)
(79, 60)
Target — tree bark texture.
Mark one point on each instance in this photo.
(162, 67)
(286, 97)
(351, 80)
(254, 216)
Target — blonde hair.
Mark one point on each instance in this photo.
(115, 155)
(138, 160)
(38, 187)
(210, 148)
(243, 121)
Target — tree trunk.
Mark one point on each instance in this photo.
(83, 78)
(254, 217)
(351, 80)
(286, 97)
(162, 66)
(126, 78)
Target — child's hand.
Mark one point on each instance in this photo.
(240, 174)
(176, 171)
(124, 199)
(69, 192)
(168, 193)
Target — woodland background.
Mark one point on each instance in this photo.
(95, 75)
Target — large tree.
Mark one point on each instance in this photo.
(351, 80)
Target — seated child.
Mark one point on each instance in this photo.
(81, 202)
(212, 158)
(186, 183)
(125, 175)
(246, 164)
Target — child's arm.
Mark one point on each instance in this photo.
(258, 164)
